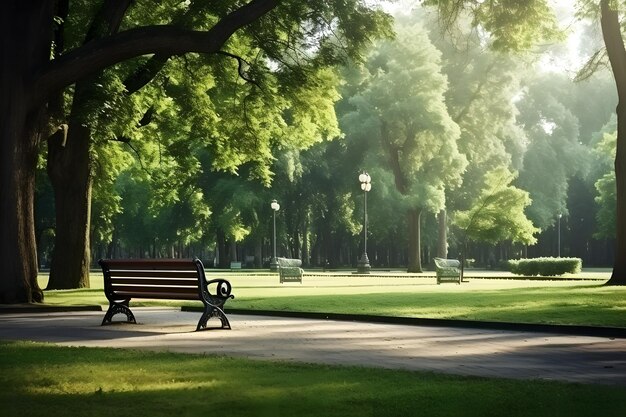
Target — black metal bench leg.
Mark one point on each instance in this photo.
(212, 311)
(118, 308)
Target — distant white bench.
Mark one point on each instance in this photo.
(448, 270)
(289, 270)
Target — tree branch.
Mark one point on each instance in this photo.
(240, 70)
(165, 40)
(612, 35)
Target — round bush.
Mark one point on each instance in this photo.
(545, 266)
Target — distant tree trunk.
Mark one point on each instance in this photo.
(614, 43)
(413, 220)
(442, 244)
(233, 250)
(258, 253)
(222, 250)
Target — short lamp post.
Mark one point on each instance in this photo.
(363, 265)
(274, 263)
(558, 236)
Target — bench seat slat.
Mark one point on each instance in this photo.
(152, 281)
(165, 264)
(155, 295)
(141, 289)
(153, 273)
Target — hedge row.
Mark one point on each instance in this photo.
(545, 266)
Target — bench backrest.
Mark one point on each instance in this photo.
(447, 263)
(179, 279)
(288, 263)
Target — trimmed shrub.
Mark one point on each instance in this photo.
(545, 266)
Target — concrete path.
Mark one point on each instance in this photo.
(491, 353)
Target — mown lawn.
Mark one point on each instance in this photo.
(555, 302)
(47, 380)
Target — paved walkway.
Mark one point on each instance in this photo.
(491, 353)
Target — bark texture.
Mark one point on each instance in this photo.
(617, 57)
(26, 35)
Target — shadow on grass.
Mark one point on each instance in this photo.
(45, 380)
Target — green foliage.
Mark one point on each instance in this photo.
(545, 266)
(497, 214)
(605, 186)
(511, 25)
(399, 112)
(555, 152)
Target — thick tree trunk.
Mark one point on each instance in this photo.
(614, 43)
(442, 243)
(26, 35)
(18, 249)
(69, 169)
(70, 174)
(413, 220)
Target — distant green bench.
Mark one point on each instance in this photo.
(289, 270)
(235, 265)
(448, 270)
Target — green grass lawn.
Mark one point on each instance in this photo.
(47, 380)
(556, 302)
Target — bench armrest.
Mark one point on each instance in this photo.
(223, 288)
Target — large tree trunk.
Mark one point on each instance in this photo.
(70, 174)
(69, 169)
(18, 249)
(413, 220)
(617, 56)
(26, 35)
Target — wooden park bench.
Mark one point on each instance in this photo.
(171, 279)
(235, 265)
(448, 270)
(289, 270)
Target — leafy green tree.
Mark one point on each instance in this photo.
(606, 189)
(33, 74)
(481, 84)
(555, 153)
(497, 213)
(400, 112)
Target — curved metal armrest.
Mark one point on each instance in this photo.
(223, 288)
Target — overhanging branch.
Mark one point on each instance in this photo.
(165, 40)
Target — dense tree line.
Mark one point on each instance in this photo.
(163, 121)
(497, 123)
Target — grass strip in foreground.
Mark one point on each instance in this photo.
(48, 380)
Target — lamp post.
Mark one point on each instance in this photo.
(274, 264)
(363, 265)
(558, 239)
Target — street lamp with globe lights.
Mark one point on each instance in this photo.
(274, 263)
(363, 265)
